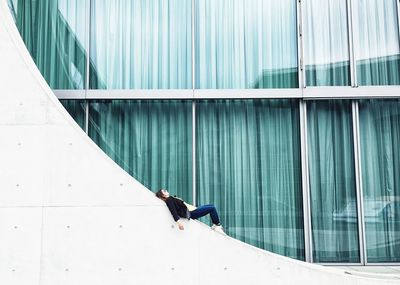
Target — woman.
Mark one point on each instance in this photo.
(179, 209)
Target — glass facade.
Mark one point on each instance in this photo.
(77, 109)
(246, 44)
(248, 163)
(332, 182)
(54, 31)
(205, 44)
(261, 161)
(326, 42)
(141, 44)
(151, 140)
(376, 41)
(380, 164)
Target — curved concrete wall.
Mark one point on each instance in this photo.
(70, 215)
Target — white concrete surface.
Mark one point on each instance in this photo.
(70, 215)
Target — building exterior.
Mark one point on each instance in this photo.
(285, 114)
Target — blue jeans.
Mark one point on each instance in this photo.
(201, 211)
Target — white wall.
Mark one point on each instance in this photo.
(70, 215)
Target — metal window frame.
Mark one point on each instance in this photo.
(358, 177)
(309, 93)
(339, 264)
(308, 245)
(87, 36)
(300, 45)
(351, 31)
(194, 190)
(357, 264)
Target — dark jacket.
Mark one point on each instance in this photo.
(177, 208)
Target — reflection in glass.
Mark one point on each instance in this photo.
(332, 182)
(376, 42)
(380, 164)
(151, 140)
(137, 44)
(77, 110)
(246, 44)
(55, 35)
(248, 165)
(326, 46)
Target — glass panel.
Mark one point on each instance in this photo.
(380, 158)
(77, 110)
(377, 42)
(248, 165)
(332, 182)
(246, 44)
(326, 46)
(141, 44)
(13, 6)
(54, 33)
(151, 140)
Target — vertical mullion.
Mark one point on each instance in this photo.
(350, 24)
(300, 52)
(193, 46)
(357, 164)
(305, 182)
(87, 117)
(194, 152)
(88, 17)
(193, 109)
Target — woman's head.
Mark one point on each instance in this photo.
(162, 194)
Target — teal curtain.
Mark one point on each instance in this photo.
(332, 181)
(141, 44)
(380, 165)
(54, 33)
(376, 42)
(151, 140)
(246, 44)
(326, 44)
(77, 110)
(248, 165)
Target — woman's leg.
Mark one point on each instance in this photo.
(204, 210)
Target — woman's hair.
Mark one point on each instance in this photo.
(159, 194)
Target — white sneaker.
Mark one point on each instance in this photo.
(218, 229)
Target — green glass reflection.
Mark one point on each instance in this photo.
(54, 33)
(142, 44)
(380, 165)
(245, 44)
(77, 110)
(248, 165)
(151, 140)
(376, 42)
(326, 46)
(334, 216)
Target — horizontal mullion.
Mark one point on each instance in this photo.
(308, 93)
(247, 93)
(351, 92)
(179, 94)
(103, 94)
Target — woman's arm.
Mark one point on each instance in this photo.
(171, 206)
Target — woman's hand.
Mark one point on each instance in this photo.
(180, 226)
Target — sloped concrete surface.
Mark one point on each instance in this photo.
(70, 215)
